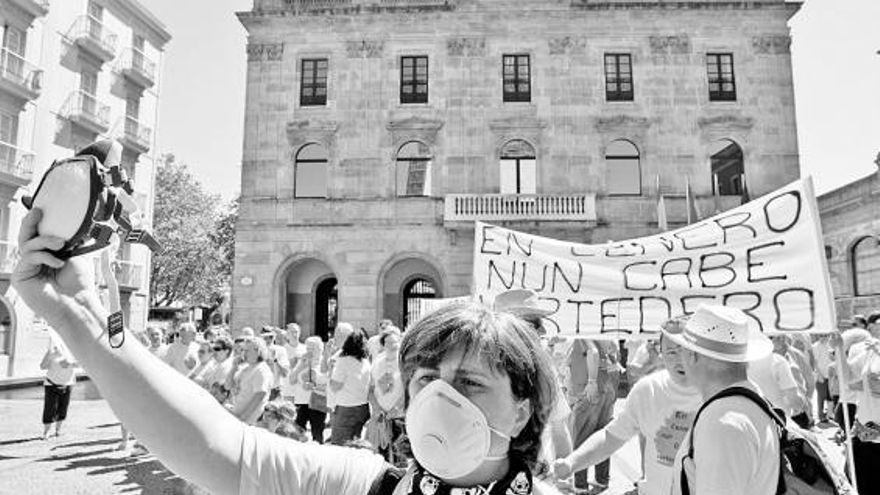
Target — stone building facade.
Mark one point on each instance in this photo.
(851, 228)
(72, 72)
(377, 131)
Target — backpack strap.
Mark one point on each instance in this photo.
(386, 481)
(762, 403)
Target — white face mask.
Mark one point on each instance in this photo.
(448, 433)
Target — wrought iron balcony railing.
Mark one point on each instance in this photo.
(87, 110)
(16, 161)
(133, 134)
(8, 256)
(137, 67)
(92, 35)
(20, 75)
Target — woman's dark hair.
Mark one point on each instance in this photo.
(355, 345)
(506, 344)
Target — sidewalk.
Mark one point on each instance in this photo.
(81, 461)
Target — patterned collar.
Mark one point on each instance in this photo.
(518, 481)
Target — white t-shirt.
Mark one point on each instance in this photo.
(387, 384)
(219, 373)
(58, 374)
(159, 351)
(558, 414)
(866, 364)
(278, 354)
(736, 450)
(355, 377)
(299, 377)
(274, 465)
(773, 376)
(661, 411)
(822, 352)
(177, 354)
(289, 383)
(255, 378)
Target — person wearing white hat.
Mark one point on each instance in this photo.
(733, 446)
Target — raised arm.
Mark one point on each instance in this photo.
(179, 422)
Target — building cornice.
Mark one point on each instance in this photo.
(157, 29)
(281, 8)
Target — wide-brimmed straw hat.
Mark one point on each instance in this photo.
(722, 333)
(521, 302)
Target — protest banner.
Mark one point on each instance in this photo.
(765, 257)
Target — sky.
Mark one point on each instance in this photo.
(835, 61)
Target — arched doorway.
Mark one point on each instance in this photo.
(728, 169)
(413, 293)
(404, 282)
(308, 296)
(326, 307)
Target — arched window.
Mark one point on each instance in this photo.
(414, 169)
(413, 292)
(865, 258)
(518, 168)
(310, 172)
(728, 169)
(623, 170)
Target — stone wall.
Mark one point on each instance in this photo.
(465, 123)
(850, 214)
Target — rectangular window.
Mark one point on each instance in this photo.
(414, 79)
(313, 88)
(518, 176)
(88, 85)
(517, 78)
(311, 180)
(13, 57)
(8, 139)
(618, 77)
(413, 177)
(719, 68)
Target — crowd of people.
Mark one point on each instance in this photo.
(468, 400)
(279, 381)
(352, 386)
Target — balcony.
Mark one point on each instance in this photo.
(129, 275)
(86, 111)
(19, 77)
(8, 256)
(36, 8)
(135, 67)
(520, 207)
(92, 37)
(16, 165)
(133, 135)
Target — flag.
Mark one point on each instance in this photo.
(693, 212)
(716, 194)
(661, 214)
(745, 190)
(662, 222)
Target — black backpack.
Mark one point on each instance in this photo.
(387, 481)
(804, 469)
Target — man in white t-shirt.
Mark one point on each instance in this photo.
(288, 338)
(822, 353)
(660, 407)
(735, 443)
(864, 362)
(774, 377)
(182, 354)
(157, 347)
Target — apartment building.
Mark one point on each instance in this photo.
(71, 72)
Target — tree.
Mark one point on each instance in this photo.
(197, 232)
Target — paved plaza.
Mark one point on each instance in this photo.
(84, 460)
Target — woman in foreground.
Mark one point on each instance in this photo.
(478, 393)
